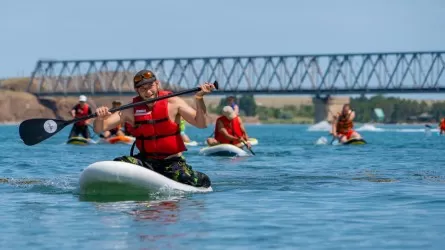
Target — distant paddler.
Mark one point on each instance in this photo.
(231, 102)
(117, 131)
(442, 125)
(79, 110)
(343, 125)
(229, 129)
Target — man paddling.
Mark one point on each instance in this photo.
(343, 125)
(80, 110)
(229, 129)
(117, 130)
(157, 131)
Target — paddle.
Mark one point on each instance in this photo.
(33, 131)
(333, 139)
(245, 144)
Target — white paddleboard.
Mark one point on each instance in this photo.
(253, 141)
(120, 178)
(78, 140)
(191, 143)
(223, 150)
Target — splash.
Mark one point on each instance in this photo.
(322, 141)
(321, 126)
(369, 127)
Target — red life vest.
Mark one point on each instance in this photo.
(81, 112)
(128, 128)
(344, 124)
(156, 135)
(233, 127)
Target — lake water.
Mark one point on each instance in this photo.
(294, 194)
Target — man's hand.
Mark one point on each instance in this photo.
(206, 88)
(247, 143)
(102, 113)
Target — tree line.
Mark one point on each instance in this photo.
(396, 110)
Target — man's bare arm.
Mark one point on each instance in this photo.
(111, 121)
(196, 117)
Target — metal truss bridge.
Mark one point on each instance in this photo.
(404, 72)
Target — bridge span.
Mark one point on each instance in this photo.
(322, 76)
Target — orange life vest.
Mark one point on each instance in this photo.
(233, 127)
(81, 112)
(344, 124)
(156, 135)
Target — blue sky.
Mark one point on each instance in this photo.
(54, 29)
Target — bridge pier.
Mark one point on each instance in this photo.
(326, 107)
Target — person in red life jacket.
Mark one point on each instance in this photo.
(229, 129)
(80, 110)
(117, 131)
(442, 126)
(343, 125)
(156, 127)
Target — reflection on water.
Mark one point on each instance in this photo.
(163, 214)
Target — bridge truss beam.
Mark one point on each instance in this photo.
(405, 72)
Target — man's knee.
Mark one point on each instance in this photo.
(202, 180)
(184, 173)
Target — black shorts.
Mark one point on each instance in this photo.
(77, 130)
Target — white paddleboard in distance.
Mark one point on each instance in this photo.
(120, 178)
(223, 150)
(78, 140)
(253, 141)
(191, 143)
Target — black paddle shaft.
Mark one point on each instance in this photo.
(131, 105)
(245, 144)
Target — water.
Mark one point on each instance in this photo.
(294, 194)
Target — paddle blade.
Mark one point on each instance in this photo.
(34, 131)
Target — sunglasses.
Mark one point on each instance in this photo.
(146, 75)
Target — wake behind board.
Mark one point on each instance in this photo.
(79, 140)
(354, 142)
(122, 178)
(223, 150)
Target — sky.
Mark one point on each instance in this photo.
(81, 29)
